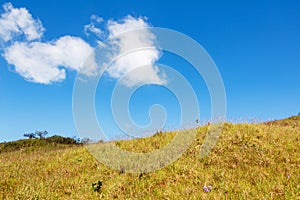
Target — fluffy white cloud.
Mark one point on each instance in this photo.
(36, 61)
(127, 44)
(46, 62)
(18, 21)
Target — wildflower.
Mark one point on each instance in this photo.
(207, 189)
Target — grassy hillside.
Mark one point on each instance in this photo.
(249, 162)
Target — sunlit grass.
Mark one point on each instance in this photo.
(258, 161)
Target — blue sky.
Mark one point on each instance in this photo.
(255, 45)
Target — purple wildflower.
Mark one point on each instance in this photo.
(205, 189)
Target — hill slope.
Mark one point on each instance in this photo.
(249, 162)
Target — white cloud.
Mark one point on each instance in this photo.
(91, 27)
(123, 43)
(46, 62)
(96, 18)
(36, 61)
(145, 74)
(18, 21)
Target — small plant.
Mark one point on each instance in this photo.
(141, 175)
(122, 169)
(97, 186)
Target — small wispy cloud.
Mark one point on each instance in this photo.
(91, 27)
(45, 62)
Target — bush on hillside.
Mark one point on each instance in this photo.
(34, 143)
(61, 140)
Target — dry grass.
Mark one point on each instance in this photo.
(249, 162)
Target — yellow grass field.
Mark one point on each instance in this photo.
(260, 161)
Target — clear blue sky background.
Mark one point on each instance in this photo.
(255, 44)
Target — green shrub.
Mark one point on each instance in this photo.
(60, 140)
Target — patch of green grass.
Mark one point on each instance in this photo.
(249, 162)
